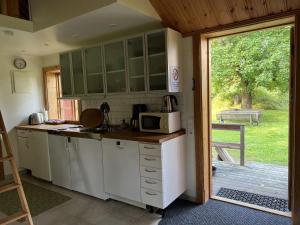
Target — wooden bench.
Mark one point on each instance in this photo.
(253, 115)
(221, 146)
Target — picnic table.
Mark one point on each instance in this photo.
(253, 115)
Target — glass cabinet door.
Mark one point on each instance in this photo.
(94, 70)
(115, 67)
(77, 72)
(136, 64)
(65, 71)
(156, 57)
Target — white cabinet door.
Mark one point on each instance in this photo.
(66, 75)
(121, 168)
(24, 153)
(114, 55)
(39, 147)
(60, 162)
(86, 167)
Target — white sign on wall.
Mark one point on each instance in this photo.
(21, 82)
(174, 79)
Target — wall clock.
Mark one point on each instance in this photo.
(20, 63)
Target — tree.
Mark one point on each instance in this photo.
(241, 63)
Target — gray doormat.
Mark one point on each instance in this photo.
(255, 199)
(214, 212)
(39, 199)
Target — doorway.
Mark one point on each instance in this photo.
(250, 75)
(202, 105)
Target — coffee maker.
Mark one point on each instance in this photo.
(136, 110)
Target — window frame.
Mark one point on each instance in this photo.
(56, 69)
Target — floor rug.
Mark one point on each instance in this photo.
(39, 199)
(256, 199)
(215, 212)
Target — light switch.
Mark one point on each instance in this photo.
(190, 127)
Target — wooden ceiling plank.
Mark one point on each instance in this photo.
(185, 12)
(206, 15)
(293, 4)
(169, 15)
(231, 10)
(187, 16)
(241, 10)
(276, 6)
(220, 9)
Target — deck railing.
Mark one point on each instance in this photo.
(220, 146)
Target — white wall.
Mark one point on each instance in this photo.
(17, 107)
(50, 60)
(51, 12)
(188, 116)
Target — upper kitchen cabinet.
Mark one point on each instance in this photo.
(114, 56)
(77, 71)
(94, 70)
(164, 60)
(66, 76)
(136, 64)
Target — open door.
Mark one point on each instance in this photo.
(291, 120)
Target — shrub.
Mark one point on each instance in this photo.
(265, 99)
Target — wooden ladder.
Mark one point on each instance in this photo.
(16, 184)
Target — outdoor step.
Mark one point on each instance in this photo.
(12, 218)
(8, 187)
(6, 158)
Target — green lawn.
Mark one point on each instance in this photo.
(266, 143)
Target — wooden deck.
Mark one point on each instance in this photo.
(256, 178)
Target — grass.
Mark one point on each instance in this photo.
(266, 143)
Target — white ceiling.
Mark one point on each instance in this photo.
(75, 32)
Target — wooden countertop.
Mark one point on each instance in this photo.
(46, 127)
(70, 130)
(142, 136)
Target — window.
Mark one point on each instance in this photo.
(62, 109)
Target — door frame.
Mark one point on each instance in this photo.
(202, 106)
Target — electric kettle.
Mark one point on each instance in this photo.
(168, 102)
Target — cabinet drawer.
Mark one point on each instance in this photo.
(150, 161)
(153, 198)
(23, 133)
(148, 149)
(151, 172)
(152, 184)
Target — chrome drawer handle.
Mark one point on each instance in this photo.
(149, 182)
(150, 171)
(119, 147)
(148, 159)
(146, 147)
(148, 193)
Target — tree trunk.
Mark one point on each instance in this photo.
(236, 100)
(246, 101)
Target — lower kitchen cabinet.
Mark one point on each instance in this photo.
(60, 161)
(121, 168)
(86, 167)
(34, 153)
(25, 155)
(162, 168)
(77, 164)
